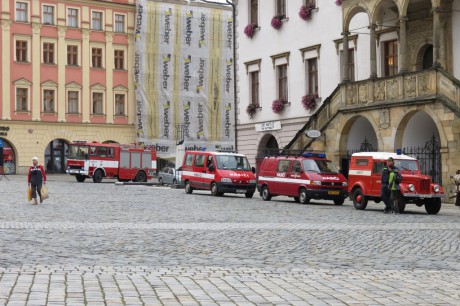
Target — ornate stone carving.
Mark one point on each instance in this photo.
(392, 89)
(6, 24)
(351, 94)
(62, 31)
(36, 27)
(423, 84)
(410, 89)
(109, 37)
(85, 33)
(384, 118)
(362, 93)
(379, 90)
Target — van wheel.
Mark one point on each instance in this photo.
(140, 177)
(97, 176)
(297, 199)
(249, 194)
(339, 202)
(188, 187)
(359, 199)
(266, 196)
(303, 197)
(81, 178)
(215, 190)
(433, 206)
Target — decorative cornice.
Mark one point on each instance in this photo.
(280, 55)
(352, 38)
(251, 63)
(311, 48)
(6, 24)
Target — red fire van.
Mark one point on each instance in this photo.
(218, 172)
(305, 177)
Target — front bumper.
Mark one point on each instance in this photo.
(424, 196)
(327, 194)
(236, 188)
(76, 171)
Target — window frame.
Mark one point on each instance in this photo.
(255, 88)
(27, 96)
(394, 56)
(44, 14)
(282, 80)
(281, 4)
(26, 50)
(116, 95)
(48, 56)
(101, 20)
(77, 62)
(101, 101)
(101, 56)
(254, 15)
(115, 23)
(117, 59)
(27, 11)
(312, 74)
(68, 101)
(77, 22)
(44, 91)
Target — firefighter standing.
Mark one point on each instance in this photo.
(36, 177)
(395, 190)
(385, 190)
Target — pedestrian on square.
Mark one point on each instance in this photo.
(385, 190)
(36, 178)
(395, 190)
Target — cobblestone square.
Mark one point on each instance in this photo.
(105, 244)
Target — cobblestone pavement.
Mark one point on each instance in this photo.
(103, 244)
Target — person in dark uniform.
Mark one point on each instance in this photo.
(385, 191)
(36, 177)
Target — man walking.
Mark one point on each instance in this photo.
(385, 191)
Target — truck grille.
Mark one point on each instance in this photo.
(425, 186)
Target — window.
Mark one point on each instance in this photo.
(391, 57)
(72, 18)
(21, 99)
(21, 11)
(254, 12)
(283, 166)
(281, 8)
(48, 101)
(48, 14)
(97, 21)
(351, 65)
(296, 167)
(189, 160)
(119, 105)
(21, 51)
(48, 53)
(255, 88)
(199, 161)
(72, 102)
(312, 76)
(282, 82)
(72, 55)
(119, 59)
(97, 103)
(119, 23)
(362, 162)
(96, 57)
(378, 167)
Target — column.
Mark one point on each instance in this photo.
(6, 71)
(109, 65)
(345, 68)
(403, 45)
(36, 65)
(130, 97)
(373, 51)
(61, 62)
(85, 94)
(436, 37)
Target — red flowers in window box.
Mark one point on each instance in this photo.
(278, 105)
(309, 101)
(251, 110)
(338, 2)
(277, 21)
(250, 30)
(306, 11)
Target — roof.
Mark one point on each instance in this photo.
(384, 155)
(218, 153)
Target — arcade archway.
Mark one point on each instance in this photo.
(56, 154)
(8, 153)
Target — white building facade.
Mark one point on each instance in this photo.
(301, 58)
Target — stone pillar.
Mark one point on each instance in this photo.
(403, 45)
(436, 37)
(345, 68)
(36, 65)
(61, 62)
(6, 71)
(373, 51)
(85, 96)
(109, 65)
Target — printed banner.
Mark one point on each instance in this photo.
(184, 77)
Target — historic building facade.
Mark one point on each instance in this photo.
(65, 75)
(410, 100)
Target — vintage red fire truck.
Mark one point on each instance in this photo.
(99, 160)
(365, 181)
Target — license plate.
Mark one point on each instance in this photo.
(240, 191)
(333, 192)
(74, 171)
(427, 196)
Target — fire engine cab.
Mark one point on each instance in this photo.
(303, 177)
(99, 160)
(365, 181)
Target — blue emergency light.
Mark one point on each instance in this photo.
(311, 154)
(398, 151)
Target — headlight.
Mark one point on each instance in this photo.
(226, 180)
(436, 188)
(252, 181)
(318, 183)
(345, 184)
(411, 188)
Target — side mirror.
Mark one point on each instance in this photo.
(253, 170)
(211, 168)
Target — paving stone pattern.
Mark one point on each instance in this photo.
(103, 244)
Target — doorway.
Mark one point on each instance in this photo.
(56, 154)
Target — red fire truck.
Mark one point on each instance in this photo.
(99, 160)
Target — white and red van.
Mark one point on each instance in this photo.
(305, 177)
(218, 172)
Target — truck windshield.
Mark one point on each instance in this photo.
(232, 162)
(410, 165)
(321, 166)
(78, 152)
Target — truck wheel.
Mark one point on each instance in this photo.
(215, 190)
(303, 197)
(339, 202)
(188, 187)
(97, 176)
(249, 194)
(359, 199)
(266, 196)
(433, 206)
(140, 177)
(80, 178)
(160, 180)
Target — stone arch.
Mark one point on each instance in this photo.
(111, 141)
(55, 155)
(267, 141)
(376, 9)
(352, 12)
(421, 56)
(10, 156)
(345, 142)
(405, 5)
